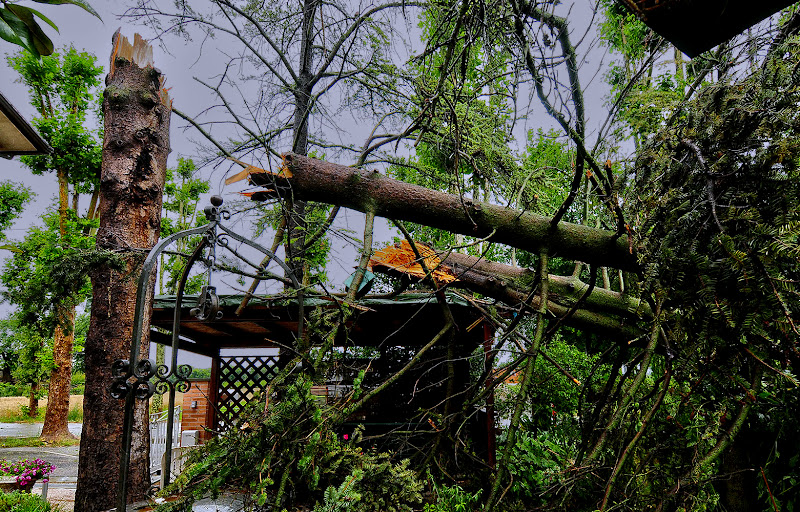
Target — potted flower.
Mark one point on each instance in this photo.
(21, 475)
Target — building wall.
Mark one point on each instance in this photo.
(200, 416)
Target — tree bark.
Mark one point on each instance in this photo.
(135, 148)
(316, 180)
(33, 402)
(295, 209)
(55, 418)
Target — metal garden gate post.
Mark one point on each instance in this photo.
(140, 379)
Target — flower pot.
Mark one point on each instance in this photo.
(9, 484)
(29, 487)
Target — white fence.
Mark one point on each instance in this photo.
(158, 437)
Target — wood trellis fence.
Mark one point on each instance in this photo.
(239, 379)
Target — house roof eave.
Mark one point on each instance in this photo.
(17, 136)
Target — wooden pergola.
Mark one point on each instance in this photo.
(390, 330)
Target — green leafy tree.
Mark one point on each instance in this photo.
(45, 279)
(19, 25)
(13, 197)
(28, 356)
(64, 89)
(9, 348)
(47, 273)
(181, 195)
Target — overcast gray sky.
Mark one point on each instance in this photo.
(85, 32)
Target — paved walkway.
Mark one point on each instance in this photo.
(61, 489)
(32, 429)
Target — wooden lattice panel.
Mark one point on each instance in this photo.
(240, 378)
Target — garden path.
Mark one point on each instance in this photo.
(61, 489)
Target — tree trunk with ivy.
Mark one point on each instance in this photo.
(56, 424)
(135, 149)
(55, 418)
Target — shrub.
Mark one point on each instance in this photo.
(200, 373)
(537, 463)
(25, 502)
(453, 499)
(376, 485)
(10, 389)
(75, 414)
(78, 383)
(23, 414)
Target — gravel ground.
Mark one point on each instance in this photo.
(64, 497)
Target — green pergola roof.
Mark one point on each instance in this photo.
(407, 319)
(189, 301)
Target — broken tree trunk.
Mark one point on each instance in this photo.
(135, 148)
(603, 311)
(315, 180)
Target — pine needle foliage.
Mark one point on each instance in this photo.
(717, 207)
(719, 201)
(291, 451)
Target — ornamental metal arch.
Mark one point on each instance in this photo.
(136, 378)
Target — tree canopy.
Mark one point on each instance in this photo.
(652, 333)
(48, 278)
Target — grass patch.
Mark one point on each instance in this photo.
(75, 415)
(33, 442)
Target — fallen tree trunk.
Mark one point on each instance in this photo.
(315, 180)
(604, 312)
(565, 290)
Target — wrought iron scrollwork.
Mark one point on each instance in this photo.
(166, 379)
(146, 379)
(182, 384)
(207, 307)
(137, 379)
